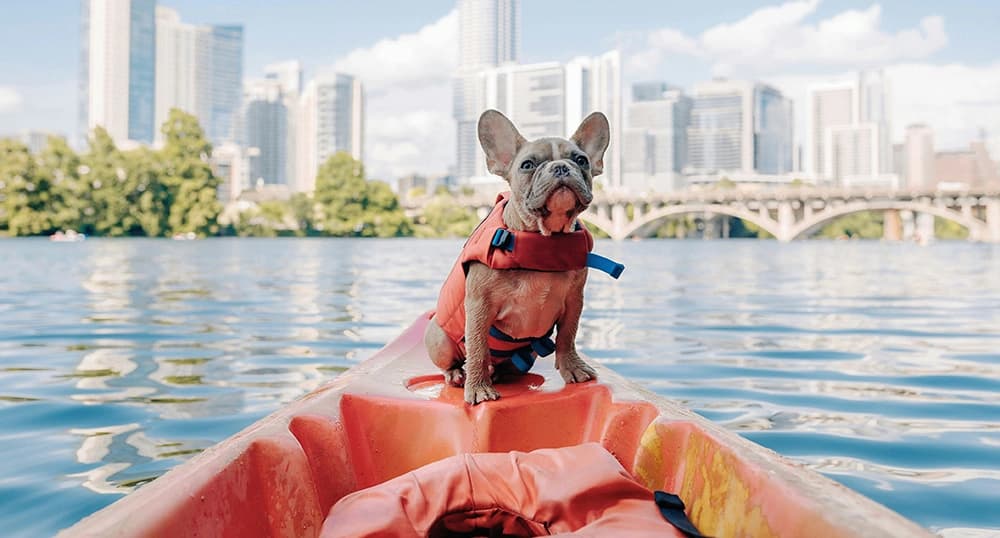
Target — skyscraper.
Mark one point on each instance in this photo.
(741, 127)
(655, 142)
(266, 120)
(200, 71)
(176, 57)
(488, 36)
(600, 91)
(330, 119)
(855, 113)
(851, 153)
(117, 68)
(773, 131)
(649, 91)
(270, 108)
(220, 81)
(551, 99)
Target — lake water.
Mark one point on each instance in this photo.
(876, 364)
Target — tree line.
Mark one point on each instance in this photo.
(107, 191)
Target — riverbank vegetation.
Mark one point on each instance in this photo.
(108, 191)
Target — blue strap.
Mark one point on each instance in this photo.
(607, 265)
(523, 358)
(523, 361)
(504, 337)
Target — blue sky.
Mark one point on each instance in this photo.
(922, 43)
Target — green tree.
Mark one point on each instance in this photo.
(25, 191)
(59, 162)
(98, 193)
(303, 212)
(349, 205)
(188, 177)
(444, 217)
(861, 225)
(147, 196)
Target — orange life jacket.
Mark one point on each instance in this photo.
(493, 244)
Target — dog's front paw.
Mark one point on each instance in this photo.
(480, 392)
(455, 376)
(577, 372)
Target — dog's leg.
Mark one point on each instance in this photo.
(445, 354)
(568, 361)
(479, 315)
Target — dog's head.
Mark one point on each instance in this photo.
(551, 179)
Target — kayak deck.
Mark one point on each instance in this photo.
(392, 414)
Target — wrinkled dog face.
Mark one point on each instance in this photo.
(551, 179)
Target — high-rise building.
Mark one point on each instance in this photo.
(851, 153)
(855, 112)
(533, 97)
(488, 36)
(649, 91)
(655, 141)
(266, 123)
(117, 68)
(551, 99)
(200, 71)
(773, 131)
(739, 127)
(919, 153)
(219, 79)
(330, 119)
(270, 107)
(595, 85)
(176, 56)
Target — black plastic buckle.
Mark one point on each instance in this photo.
(502, 238)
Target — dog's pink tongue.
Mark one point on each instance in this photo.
(561, 203)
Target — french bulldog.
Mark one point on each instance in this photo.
(551, 182)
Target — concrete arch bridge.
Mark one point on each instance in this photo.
(786, 213)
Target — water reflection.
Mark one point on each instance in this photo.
(119, 359)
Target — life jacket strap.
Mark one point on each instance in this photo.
(609, 266)
(523, 358)
(502, 238)
(672, 509)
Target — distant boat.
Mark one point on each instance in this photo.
(185, 236)
(69, 236)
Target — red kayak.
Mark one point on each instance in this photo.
(386, 449)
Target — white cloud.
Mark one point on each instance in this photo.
(425, 57)
(10, 99)
(779, 37)
(787, 46)
(407, 82)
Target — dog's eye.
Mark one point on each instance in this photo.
(528, 165)
(581, 160)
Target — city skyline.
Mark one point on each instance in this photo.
(939, 77)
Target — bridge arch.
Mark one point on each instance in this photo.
(599, 222)
(767, 224)
(803, 228)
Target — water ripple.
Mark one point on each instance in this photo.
(875, 364)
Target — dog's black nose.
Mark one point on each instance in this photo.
(560, 170)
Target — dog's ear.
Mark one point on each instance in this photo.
(593, 136)
(500, 141)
